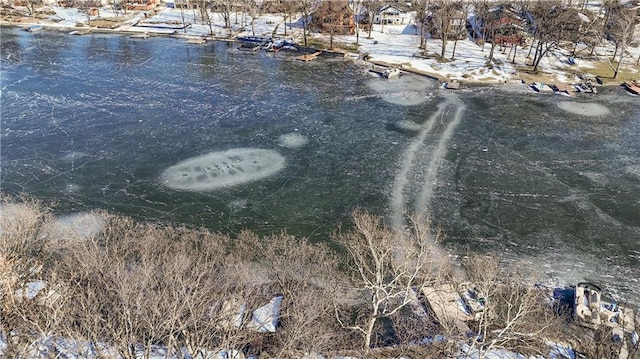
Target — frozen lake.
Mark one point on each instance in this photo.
(212, 136)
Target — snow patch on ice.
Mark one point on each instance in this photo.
(634, 170)
(407, 90)
(408, 125)
(238, 204)
(292, 140)
(74, 155)
(598, 178)
(222, 169)
(72, 188)
(583, 109)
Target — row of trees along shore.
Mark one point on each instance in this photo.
(547, 25)
(577, 26)
(136, 286)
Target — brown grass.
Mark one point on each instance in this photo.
(601, 70)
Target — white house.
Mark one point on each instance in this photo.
(392, 15)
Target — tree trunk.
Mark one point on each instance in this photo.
(331, 39)
(369, 332)
(305, 17)
(184, 28)
(493, 46)
(540, 54)
(444, 34)
(209, 21)
(484, 37)
(453, 54)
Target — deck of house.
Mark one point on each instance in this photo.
(590, 310)
(448, 306)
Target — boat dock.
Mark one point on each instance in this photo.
(452, 85)
(563, 88)
(632, 87)
(196, 41)
(309, 57)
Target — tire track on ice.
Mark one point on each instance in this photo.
(423, 201)
(402, 179)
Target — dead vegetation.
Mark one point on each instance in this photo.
(136, 287)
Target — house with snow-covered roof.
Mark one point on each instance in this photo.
(395, 14)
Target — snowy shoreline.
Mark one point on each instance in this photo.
(370, 63)
(390, 46)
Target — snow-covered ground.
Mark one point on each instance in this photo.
(395, 45)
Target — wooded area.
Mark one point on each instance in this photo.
(138, 288)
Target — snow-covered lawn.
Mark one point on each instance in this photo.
(396, 45)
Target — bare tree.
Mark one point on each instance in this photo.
(549, 25)
(306, 7)
(420, 7)
(516, 314)
(205, 15)
(460, 25)
(371, 7)
(356, 9)
(289, 9)
(440, 18)
(387, 266)
(25, 315)
(621, 28)
(480, 19)
(307, 277)
(255, 11)
(224, 8)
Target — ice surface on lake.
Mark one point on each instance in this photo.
(292, 140)
(221, 169)
(407, 90)
(583, 109)
(497, 176)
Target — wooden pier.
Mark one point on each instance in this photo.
(309, 57)
(568, 89)
(632, 87)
